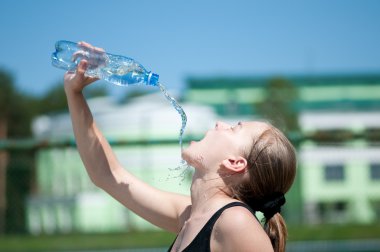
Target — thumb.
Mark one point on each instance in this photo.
(80, 75)
(80, 72)
(82, 67)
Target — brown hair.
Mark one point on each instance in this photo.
(272, 168)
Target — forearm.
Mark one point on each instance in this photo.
(94, 150)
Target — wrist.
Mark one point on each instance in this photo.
(71, 92)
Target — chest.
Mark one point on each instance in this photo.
(192, 231)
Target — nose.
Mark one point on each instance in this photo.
(222, 125)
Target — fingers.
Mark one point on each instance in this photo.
(90, 47)
(80, 55)
(78, 80)
(84, 44)
(95, 56)
(77, 76)
(82, 67)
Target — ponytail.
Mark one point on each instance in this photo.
(275, 228)
(274, 225)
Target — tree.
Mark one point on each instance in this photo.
(279, 105)
(16, 113)
(6, 95)
(54, 100)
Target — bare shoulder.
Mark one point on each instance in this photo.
(238, 230)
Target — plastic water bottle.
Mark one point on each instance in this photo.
(119, 70)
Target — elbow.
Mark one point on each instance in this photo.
(98, 177)
(106, 179)
(96, 180)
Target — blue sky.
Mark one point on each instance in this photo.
(180, 39)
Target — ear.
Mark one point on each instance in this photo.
(235, 164)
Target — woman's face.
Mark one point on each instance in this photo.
(222, 142)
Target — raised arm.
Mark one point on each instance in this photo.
(161, 208)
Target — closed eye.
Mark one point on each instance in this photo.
(238, 124)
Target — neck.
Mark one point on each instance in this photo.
(208, 190)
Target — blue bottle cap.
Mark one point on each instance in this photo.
(153, 79)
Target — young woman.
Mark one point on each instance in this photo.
(239, 170)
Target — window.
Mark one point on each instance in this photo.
(334, 172)
(375, 171)
(376, 207)
(333, 212)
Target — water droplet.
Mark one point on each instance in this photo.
(181, 172)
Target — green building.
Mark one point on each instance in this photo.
(334, 122)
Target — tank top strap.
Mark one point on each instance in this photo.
(217, 214)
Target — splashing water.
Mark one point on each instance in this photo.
(180, 111)
(182, 171)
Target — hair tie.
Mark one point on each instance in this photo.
(272, 205)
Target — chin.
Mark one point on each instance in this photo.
(186, 154)
(192, 159)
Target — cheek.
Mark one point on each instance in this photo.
(213, 141)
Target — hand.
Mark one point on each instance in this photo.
(76, 81)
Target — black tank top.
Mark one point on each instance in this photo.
(201, 242)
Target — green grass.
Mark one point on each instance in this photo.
(333, 232)
(18, 243)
